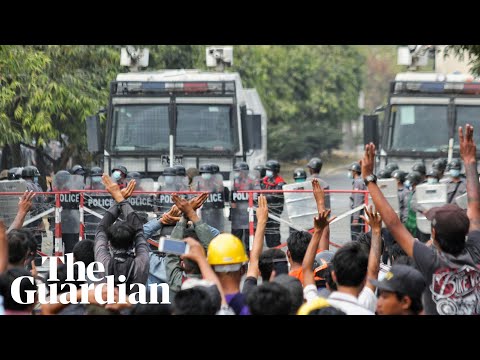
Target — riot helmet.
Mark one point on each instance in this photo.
(400, 175)
(391, 167)
(77, 170)
(12, 173)
(414, 177)
(273, 165)
(180, 170)
(455, 164)
(96, 171)
(355, 167)
(384, 174)
(299, 175)
(439, 164)
(240, 166)
(420, 168)
(30, 172)
(315, 164)
(215, 168)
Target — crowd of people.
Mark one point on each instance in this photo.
(390, 270)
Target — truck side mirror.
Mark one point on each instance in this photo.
(370, 129)
(94, 134)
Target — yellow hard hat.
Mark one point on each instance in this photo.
(315, 304)
(226, 249)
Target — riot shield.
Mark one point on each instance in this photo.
(9, 203)
(389, 189)
(301, 206)
(212, 209)
(96, 202)
(171, 184)
(428, 196)
(245, 180)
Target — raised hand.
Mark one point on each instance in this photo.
(368, 161)
(198, 201)
(262, 209)
(168, 219)
(182, 204)
(321, 221)
(374, 219)
(112, 188)
(319, 195)
(468, 149)
(26, 201)
(127, 192)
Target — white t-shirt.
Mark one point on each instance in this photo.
(349, 304)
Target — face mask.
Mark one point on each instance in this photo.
(117, 175)
(169, 179)
(407, 184)
(269, 173)
(350, 175)
(35, 179)
(432, 181)
(454, 173)
(236, 174)
(207, 176)
(300, 180)
(96, 179)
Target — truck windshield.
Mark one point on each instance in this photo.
(204, 126)
(419, 128)
(140, 127)
(468, 115)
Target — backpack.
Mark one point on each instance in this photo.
(411, 222)
(122, 263)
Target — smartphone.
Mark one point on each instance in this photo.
(172, 246)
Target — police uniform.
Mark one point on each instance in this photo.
(455, 189)
(357, 199)
(403, 194)
(275, 205)
(324, 185)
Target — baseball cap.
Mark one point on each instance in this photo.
(403, 279)
(321, 262)
(449, 220)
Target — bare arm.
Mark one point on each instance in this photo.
(24, 206)
(197, 254)
(319, 195)
(319, 224)
(468, 152)
(375, 221)
(390, 218)
(262, 216)
(3, 248)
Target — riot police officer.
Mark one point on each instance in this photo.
(391, 167)
(356, 199)
(440, 165)
(314, 167)
(92, 201)
(421, 169)
(30, 174)
(212, 209)
(403, 192)
(383, 174)
(433, 177)
(456, 185)
(273, 181)
(412, 179)
(242, 179)
(119, 175)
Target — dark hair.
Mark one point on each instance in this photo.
(265, 262)
(21, 244)
(297, 244)
(269, 299)
(121, 235)
(329, 310)
(6, 280)
(83, 251)
(416, 306)
(193, 301)
(329, 279)
(350, 264)
(294, 288)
